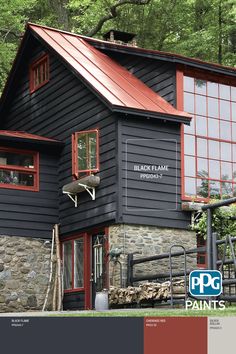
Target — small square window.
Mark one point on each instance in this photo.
(85, 147)
(39, 73)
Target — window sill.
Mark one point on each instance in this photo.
(192, 206)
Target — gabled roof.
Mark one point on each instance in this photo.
(115, 85)
(118, 87)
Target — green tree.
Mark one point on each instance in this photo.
(14, 14)
(223, 222)
(204, 29)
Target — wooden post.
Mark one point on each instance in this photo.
(51, 270)
(209, 238)
(214, 251)
(54, 298)
(59, 288)
(130, 258)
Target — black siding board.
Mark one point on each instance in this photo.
(152, 221)
(145, 198)
(61, 107)
(27, 213)
(74, 301)
(103, 220)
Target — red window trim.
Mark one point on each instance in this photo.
(180, 72)
(34, 171)
(37, 62)
(203, 75)
(75, 171)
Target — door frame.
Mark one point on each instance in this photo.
(87, 237)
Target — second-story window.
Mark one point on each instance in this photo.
(85, 145)
(39, 73)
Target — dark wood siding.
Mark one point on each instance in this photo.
(157, 200)
(65, 105)
(33, 214)
(56, 110)
(156, 74)
(73, 301)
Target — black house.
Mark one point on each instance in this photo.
(113, 143)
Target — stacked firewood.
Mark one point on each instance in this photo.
(145, 292)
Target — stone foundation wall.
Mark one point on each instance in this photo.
(24, 273)
(148, 241)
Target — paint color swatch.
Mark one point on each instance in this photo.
(175, 335)
(195, 335)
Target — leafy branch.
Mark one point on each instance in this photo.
(7, 32)
(113, 13)
(223, 222)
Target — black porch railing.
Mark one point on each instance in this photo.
(131, 262)
(210, 241)
(227, 265)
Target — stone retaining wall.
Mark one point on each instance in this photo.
(148, 241)
(24, 273)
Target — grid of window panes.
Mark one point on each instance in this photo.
(87, 152)
(17, 168)
(39, 73)
(210, 140)
(73, 264)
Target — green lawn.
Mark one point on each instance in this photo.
(229, 311)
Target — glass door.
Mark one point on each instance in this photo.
(76, 272)
(99, 263)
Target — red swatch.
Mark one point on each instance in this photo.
(171, 335)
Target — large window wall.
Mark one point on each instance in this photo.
(210, 141)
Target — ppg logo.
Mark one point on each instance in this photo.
(205, 283)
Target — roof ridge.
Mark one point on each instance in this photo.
(138, 49)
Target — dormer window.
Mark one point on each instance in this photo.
(39, 73)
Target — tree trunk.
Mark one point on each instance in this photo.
(220, 32)
(113, 13)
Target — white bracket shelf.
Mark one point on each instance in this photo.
(90, 190)
(73, 197)
(87, 184)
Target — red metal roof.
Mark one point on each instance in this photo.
(24, 135)
(116, 85)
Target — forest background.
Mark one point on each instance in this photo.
(204, 29)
